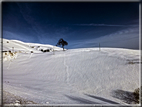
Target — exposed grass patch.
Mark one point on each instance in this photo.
(134, 62)
(128, 97)
(137, 94)
(9, 98)
(32, 46)
(131, 62)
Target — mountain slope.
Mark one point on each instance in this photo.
(76, 76)
(27, 47)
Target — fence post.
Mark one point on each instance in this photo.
(99, 47)
(13, 49)
(53, 50)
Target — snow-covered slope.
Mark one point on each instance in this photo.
(26, 47)
(76, 76)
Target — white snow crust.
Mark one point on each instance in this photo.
(75, 76)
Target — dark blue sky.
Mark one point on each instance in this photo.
(75, 22)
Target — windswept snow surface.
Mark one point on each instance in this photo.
(76, 76)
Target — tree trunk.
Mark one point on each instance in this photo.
(63, 48)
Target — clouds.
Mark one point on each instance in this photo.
(97, 25)
(126, 38)
(27, 15)
(15, 36)
(83, 24)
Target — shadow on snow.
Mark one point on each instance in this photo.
(86, 101)
(102, 99)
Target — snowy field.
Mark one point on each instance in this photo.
(75, 76)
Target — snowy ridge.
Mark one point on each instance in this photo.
(75, 76)
(26, 47)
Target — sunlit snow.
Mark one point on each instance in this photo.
(75, 76)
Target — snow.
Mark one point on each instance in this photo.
(0, 76)
(75, 76)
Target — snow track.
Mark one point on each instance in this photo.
(66, 69)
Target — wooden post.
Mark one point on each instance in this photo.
(53, 50)
(99, 47)
(13, 49)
